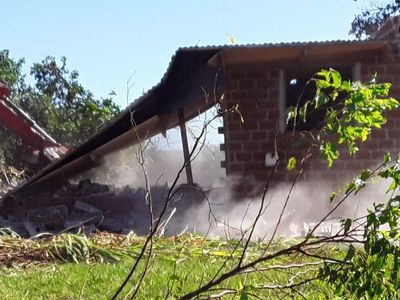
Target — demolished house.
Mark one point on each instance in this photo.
(263, 80)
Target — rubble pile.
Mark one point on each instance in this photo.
(92, 206)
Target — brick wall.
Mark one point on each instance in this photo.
(389, 30)
(255, 88)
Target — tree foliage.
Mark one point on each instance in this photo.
(368, 21)
(55, 99)
(370, 271)
(352, 109)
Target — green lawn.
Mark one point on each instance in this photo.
(178, 265)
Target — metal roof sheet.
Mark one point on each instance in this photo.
(278, 44)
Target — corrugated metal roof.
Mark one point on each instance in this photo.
(243, 46)
(279, 44)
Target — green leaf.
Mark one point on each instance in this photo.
(350, 253)
(350, 187)
(392, 187)
(330, 153)
(290, 113)
(365, 175)
(347, 225)
(291, 164)
(174, 277)
(320, 99)
(364, 134)
(303, 111)
(336, 78)
(386, 158)
(244, 295)
(332, 197)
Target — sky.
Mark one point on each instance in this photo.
(109, 42)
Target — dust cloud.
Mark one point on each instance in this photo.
(218, 214)
(307, 205)
(214, 212)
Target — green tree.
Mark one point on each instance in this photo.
(371, 270)
(368, 21)
(55, 100)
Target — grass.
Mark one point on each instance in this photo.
(179, 265)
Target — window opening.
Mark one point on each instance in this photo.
(298, 92)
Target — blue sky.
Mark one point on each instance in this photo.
(108, 41)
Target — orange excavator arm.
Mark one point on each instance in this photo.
(32, 135)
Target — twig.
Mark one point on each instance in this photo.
(169, 197)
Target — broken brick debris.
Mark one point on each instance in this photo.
(93, 206)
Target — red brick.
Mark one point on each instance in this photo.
(249, 125)
(264, 104)
(354, 165)
(378, 154)
(392, 69)
(261, 175)
(392, 115)
(390, 123)
(273, 72)
(250, 146)
(386, 144)
(239, 136)
(255, 94)
(258, 135)
(250, 166)
(267, 145)
(235, 146)
(394, 133)
(280, 176)
(318, 165)
(246, 84)
(236, 167)
(257, 115)
(273, 93)
(254, 73)
(364, 70)
(237, 74)
(247, 106)
(238, 95)
(270, 124)
(364, 154)
(379, 134)
(235, 117)
(379, 69)
(234, 126)
(370, 145)
(232, 85)
(259, 156)
(267, 83)
(338, 166)
(394, 91)
(231, 156)
(243, 156)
